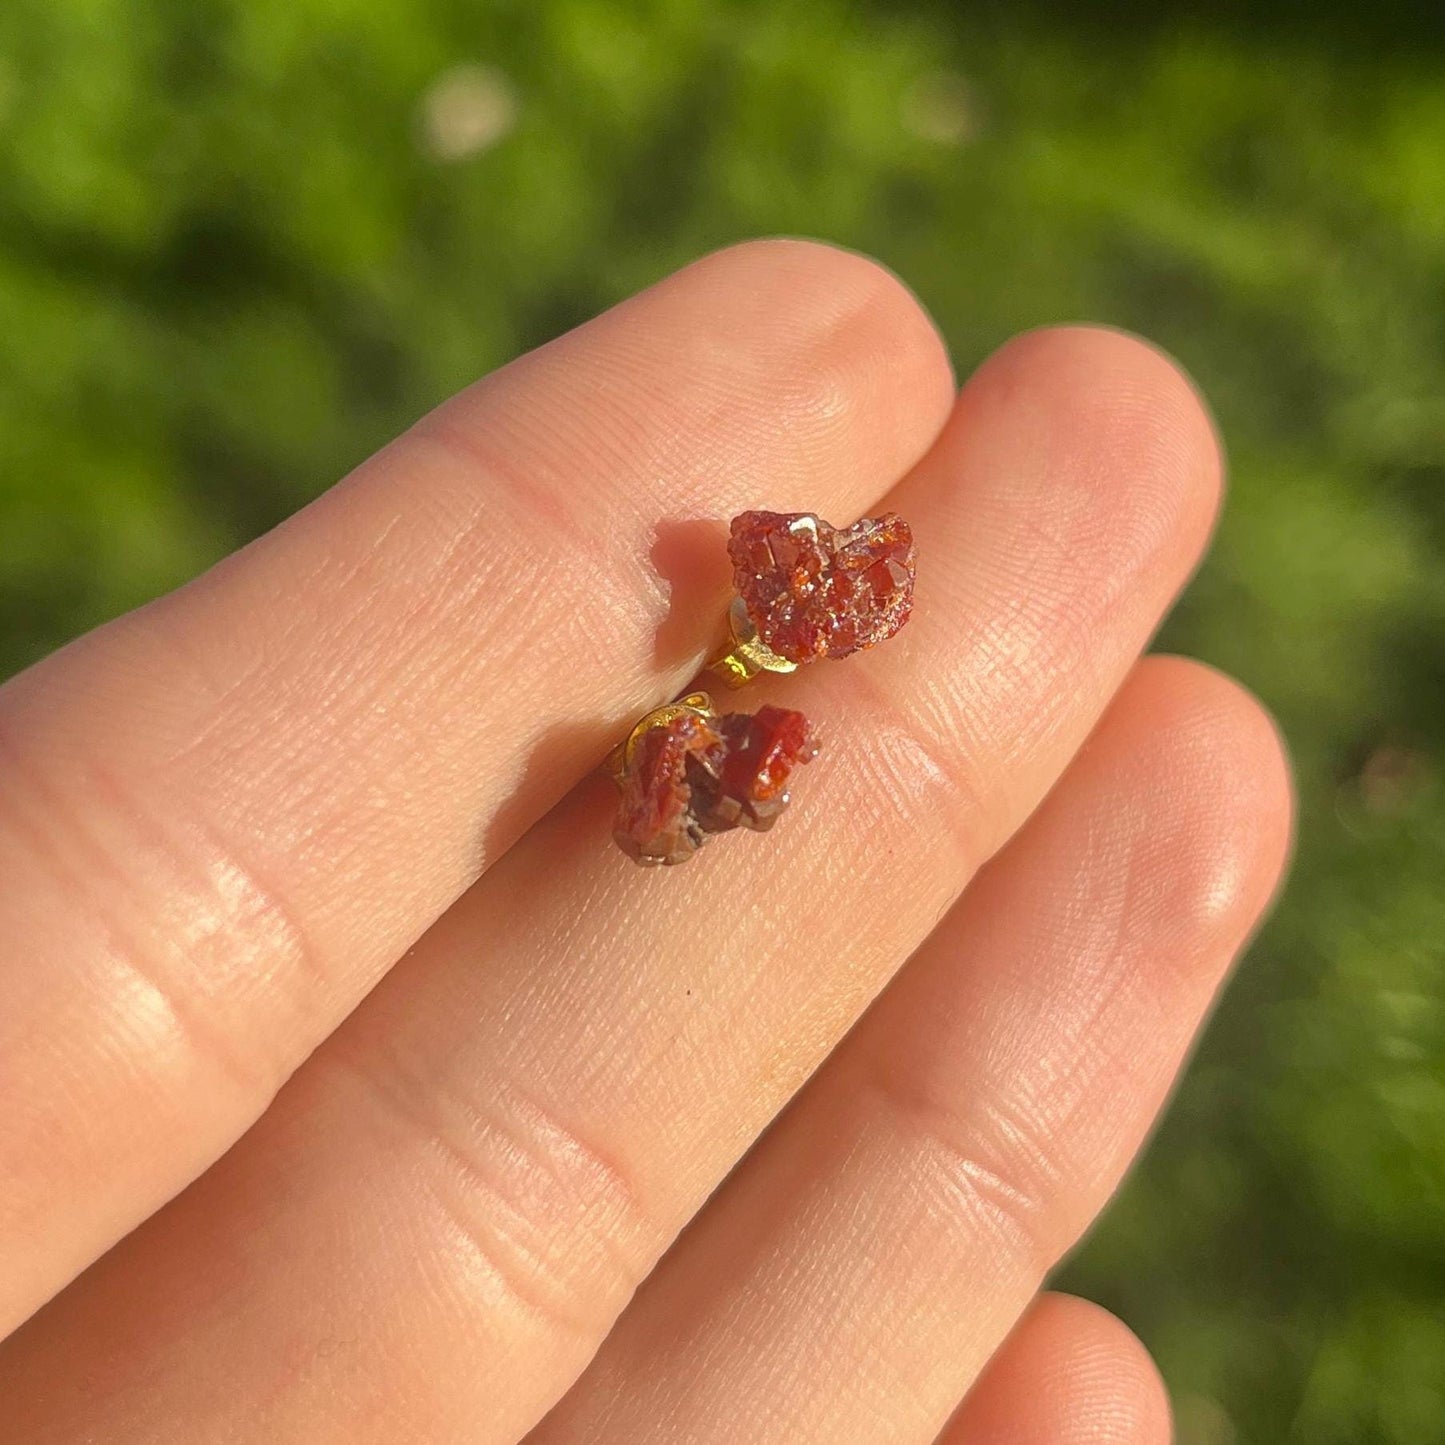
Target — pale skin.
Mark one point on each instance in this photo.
(355, 1088)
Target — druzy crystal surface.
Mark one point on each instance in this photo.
(694, 776)
(813, 590)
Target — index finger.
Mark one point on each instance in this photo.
(222, 817)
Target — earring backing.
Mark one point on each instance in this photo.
(807, 590)
(745, 654)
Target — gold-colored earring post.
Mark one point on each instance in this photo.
(698, 704)
(745, 655)
(742, 658)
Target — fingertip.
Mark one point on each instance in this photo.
(1071, 1373)
(866, 342)
(1105, 1372)
(1225, 760)
(1119, 414)
(819, 279)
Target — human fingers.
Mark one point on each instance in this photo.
(523, 1115)
(222, 817)
(862, 1265)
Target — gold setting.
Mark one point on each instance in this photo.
(745, 655)
(695, 704)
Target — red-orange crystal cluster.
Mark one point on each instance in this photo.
(813, 590)
(694, 776)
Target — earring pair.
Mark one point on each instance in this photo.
(804, 591)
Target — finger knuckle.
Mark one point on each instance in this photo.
(553, 1224)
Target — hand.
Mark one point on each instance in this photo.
(325, 822)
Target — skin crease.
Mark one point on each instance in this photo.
(438, 1221)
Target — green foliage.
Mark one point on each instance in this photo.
(241, 244)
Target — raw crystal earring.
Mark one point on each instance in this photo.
(804, 590)
(685, 774)
(807, 590)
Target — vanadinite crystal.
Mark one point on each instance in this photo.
(813, 590)
(694, 776)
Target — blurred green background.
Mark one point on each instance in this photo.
(243, 242)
